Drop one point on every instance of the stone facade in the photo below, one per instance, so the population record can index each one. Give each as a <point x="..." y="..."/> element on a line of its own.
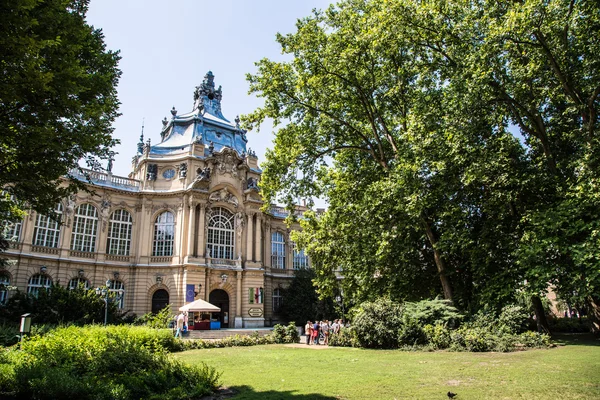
<point x="186" y="223"/>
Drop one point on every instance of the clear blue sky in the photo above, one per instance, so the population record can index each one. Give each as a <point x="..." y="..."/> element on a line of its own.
<point x="168" y="46"/>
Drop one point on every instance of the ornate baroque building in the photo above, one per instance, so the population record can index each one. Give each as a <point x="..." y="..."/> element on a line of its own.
<point x="185" y="225"/>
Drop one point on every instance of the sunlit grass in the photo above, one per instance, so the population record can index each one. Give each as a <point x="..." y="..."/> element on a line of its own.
<point x="279" y="372"/>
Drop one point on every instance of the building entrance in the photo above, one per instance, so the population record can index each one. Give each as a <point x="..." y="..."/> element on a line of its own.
<point x="160" y="299"/>
<point x="220" y="298"/>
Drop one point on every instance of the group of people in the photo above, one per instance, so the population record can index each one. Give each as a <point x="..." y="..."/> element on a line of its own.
<point x="315" y="330"/>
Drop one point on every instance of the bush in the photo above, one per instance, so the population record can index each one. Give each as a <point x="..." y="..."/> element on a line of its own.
<point x="433" y="312"/>
<point x="291" y="333"/>
<point x="102" y="363"/>
<point x="437" y="336"/>
<point x="513" y="319"/>
<point x="377" y="323"/>
<point x="346" y="337"/>
<point x="160" y="320"/>
<point x="9" y="334"/>
<point x="411" y="333"/>
<point x="570" y="325"/>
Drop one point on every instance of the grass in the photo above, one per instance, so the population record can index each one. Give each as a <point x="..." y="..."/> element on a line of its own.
<point x="281" y="372"/>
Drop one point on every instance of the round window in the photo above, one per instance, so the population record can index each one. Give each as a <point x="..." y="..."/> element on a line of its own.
<point x="169" y="174"/>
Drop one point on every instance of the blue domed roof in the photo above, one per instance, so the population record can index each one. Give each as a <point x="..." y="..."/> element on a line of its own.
<point x="204" y="124"/>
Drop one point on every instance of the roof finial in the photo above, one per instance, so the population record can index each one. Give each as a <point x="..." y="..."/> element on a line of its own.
<point x="140" y="146"/>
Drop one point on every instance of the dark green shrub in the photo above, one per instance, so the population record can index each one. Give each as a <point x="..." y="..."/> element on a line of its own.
<point x="534" y="340"/>
<point x="377" y="323"/>
<point x="160" y="320"/>
<point x="437" y="336"/>
<point x="346" y="337"/>
<point x="411" y="333"/>
<point x="9" y="334"/>
<point x="291" y="333"/>
<point x="433" y="312"/>
<point x="102" y="363"/>
<point x="513" y="319"/>
<point x="279" y="333"/>
<point x="570" y="325"/>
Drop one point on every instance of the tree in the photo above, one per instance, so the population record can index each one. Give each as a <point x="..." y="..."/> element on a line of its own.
<point x="301" y="302"/>
<point x="398" y="112"/>
<point x="58" y="100"/>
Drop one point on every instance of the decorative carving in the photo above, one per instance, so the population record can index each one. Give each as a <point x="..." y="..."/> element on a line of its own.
<point x="173" y="112"/>
<point x="229" y="162"/>
<point x="111" y="160"/>
<point x="224" y="196"/>
<point x="252" y="183"/>
<point x="211" y="148"/>
<point x="147" y="147"/>
<point x="203" y="174"/>
<point x="70" y="209"/>
<point x="182" y="168"/>
<point x="105" y="212"/>
<point x="165" y="122"/>
<point x="152" y="172"/>
<point x="206" y="97"/>
<point x="251" y="152"/>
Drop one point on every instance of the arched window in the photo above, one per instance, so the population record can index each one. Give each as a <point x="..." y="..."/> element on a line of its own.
<point x="300" y="259"/>
<point x="277" y="250"/>
<point x="79" y="281"/>
<point x="119" y="233"/>
<point x="277" y="300"/>
<point x="117" y="290"/>
<point x="4" y="284"/>
<point x="85" y="224"/>
<point x="37" y="282"/>
<point x="11" y="230"/>
<point x="47" y="231"/>
<point x="220" y="240"/>
<point x="164" y="235"/>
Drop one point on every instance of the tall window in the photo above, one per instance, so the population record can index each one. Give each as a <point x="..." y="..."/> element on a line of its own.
<point x="47" y="231"/>
<point x="164" y="235"/>
<point x="220" y="234"/>
<point x="117" y="289"/>
<point x="85" y="224"/>
<point x="4" y="284"/>
<point x="79" y="281"/>
<point x="277" y="250"/>
<point x="300" y="259"/>
<point x="37" y="282"/>
<point x="277" y="300"/>
<point x="119" y="233"/>
<point x="11" y="230"/>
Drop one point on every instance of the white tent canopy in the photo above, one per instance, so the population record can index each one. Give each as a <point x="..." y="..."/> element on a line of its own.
<point x="200" y="305"/>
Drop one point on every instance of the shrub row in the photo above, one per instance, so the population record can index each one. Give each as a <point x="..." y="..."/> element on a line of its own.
<point x="96" y="362"/>
<point x="434" y="324"/>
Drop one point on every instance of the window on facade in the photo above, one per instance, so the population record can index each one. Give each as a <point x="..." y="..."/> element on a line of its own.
<point x="47" y="231"/>
<point x="77" y="282"/>
<point x="11" y="230"/>
<point x="277" y="300"/>
<point x="85" y="224"/>
<point x="4" y="284"/>
<point x="117" y="292"/>
<point x="164" y="235"/>
<point x="300" y="259"/>
<point x="119" y="233"/>
<point x="37" y="282"/>
<point x="220" y="240"/>
<point x="277" y="250"/>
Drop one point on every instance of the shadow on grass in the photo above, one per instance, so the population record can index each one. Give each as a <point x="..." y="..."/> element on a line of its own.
<point x="576" y="339"/>
<point x="247" y="392"/>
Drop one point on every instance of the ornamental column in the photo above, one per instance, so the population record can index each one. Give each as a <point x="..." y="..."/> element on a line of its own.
<point x="238" y="301"/>
<point x="201" y="228"/>
<point x="191" y="228"/>
<point x="249" y="231"/>
<point x="258" y="240"/>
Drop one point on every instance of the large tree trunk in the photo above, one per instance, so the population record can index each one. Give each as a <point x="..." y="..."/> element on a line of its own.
<point x="540" y="315"/>
<point x="593" y="312"/>
<point x="439" y="260"/>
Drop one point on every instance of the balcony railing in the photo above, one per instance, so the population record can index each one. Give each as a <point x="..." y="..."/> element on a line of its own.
<point x="45" y="250"/>
<point x="105" y="179"/>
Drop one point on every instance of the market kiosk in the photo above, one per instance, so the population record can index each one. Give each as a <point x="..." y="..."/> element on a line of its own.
<point x="200" y="315"/>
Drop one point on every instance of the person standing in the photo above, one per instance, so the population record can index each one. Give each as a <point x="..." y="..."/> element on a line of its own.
<point x="308" y="332"/>
<point x="325" y="330"/>
<point x="315" y="332"/>
<point x="180" y="323"/>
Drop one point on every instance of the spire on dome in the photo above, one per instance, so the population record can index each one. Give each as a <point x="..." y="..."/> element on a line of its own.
<point x="206" y="98"/>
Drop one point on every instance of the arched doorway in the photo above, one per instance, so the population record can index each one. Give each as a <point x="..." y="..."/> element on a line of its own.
<point x="160" y="299"/>
<point x="220" y="298"/>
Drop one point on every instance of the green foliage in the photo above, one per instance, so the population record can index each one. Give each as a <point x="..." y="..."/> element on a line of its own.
<point x="428" y="191"/>
<point x="160" y="320"/>
<point x="102" y="363"/>
<point x="571" y="325"/>
<point x="433" y="312"/>
<point x="302" y="302"/>
<point x="438" y="336"/>
<point x="346" y="337"/>
<point x="9" y="334"/>
<point x="512" y="319"/>
<point x="58" y="99"/>
<point x="377" y="323"/>
<point x="60" y="305"/>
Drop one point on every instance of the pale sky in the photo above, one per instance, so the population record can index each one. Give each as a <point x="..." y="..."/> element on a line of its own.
<point x="168" y="46"/>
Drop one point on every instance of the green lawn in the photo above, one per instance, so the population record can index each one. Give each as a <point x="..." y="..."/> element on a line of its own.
<point x="282" y="372"/>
